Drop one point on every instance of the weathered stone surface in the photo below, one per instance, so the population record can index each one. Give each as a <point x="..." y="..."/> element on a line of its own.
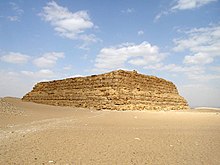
<point x="117" y="90"/>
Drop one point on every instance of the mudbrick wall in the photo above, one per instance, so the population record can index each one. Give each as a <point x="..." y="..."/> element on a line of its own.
<point x="117" y="90"/>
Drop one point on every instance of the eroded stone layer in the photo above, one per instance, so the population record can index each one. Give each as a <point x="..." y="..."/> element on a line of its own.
<point x="117" y="90"/>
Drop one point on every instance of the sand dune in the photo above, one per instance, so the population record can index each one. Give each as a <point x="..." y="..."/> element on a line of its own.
<point x="42" y="134"/>
<point x="207" y="109"/>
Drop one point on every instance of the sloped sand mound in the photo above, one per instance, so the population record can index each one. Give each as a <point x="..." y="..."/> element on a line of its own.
<point x="206" y="109"/>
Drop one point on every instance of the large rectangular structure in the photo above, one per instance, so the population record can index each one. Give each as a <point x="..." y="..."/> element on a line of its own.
<point x="116" y="90"/>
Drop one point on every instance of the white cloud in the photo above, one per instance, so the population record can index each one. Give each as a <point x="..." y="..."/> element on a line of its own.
<point x="12" y="84"/>
<point x="13" y="18"/>
<point x="195" y="72"/>
<point x="204" y="77"/>
<point x="137" y="61"/>
<point x="48" y="60"/>
<point x="140" y="32"/>
<point x="128" y="11"/>
<point x="16" y="11"/>
<point x="182" y="5"/>
<point x="15" y="58"/>
<point x="202" y="43"/>
<point x="16" y="8"/>
<point x="198" y="58"/>
<point x="17" y="84"/>
<point x="189" y="70"/>
<point x="116" y="57"/>
<point x="67" y="67"/>
<point x="190" y="4"/>
<point x="41" y="74"/>
<point x="68" y="24"/>
<point x="201" y="94"/>
<point x="215" y="68"/>
<point x="159" y="15"/>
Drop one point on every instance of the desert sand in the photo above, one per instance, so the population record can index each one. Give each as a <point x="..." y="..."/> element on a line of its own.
<point x="32" y="133"/>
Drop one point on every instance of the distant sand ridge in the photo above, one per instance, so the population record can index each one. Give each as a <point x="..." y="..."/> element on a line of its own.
<point x="116" y="90"/>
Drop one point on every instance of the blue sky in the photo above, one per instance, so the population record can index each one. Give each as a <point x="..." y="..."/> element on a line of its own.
<point x="178" y="40"/>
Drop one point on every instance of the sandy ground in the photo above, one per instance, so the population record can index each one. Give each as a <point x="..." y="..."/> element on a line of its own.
<point x="41" y="134"/>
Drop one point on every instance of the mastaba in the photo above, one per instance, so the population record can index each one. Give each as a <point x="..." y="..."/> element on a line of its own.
<point x="116" y="90"/>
